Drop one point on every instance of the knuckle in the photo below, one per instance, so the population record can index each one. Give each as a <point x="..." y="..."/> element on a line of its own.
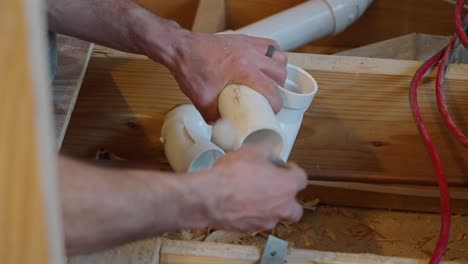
<point x="299" y="213"/>
<point x="282" y="58"/>
<point x="284" y="213"/>
<point x="240" y="61"/>
<point x="273" y="43"/>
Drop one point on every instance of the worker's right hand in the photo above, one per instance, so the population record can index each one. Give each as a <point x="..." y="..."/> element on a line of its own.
<point x="245" y="191"/>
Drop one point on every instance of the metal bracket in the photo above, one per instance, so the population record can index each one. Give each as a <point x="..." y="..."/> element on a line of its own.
<point x="275" y="251"/>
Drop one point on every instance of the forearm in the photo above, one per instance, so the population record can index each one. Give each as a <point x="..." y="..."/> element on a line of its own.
<point x="105" y="207"/>
<point x="119" y="24"/>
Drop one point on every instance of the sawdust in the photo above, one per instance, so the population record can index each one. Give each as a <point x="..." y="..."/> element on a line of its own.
<point x="338" y="229"/>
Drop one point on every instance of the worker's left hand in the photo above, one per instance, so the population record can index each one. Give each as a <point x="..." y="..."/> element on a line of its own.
<point x="203" y="64"/>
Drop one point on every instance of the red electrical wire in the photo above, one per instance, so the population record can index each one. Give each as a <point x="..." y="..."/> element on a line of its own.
<point x="441" y="74"/>
<point x="443" y="56"/>
<point x="442" y="179"/>
<point x="458" y="22"/>
<point x="443" y="110"/>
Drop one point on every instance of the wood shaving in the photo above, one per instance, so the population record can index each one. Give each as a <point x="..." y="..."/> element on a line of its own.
<point x="427" y="252"/>
<point x="307" y="241"/>
<point x="309" y="205"/>
<point x="104" y="154"/>
<point x="422" y="242"/>
<point x="460" y="237"/>
<point x="360" y="230"/>
<point x="348" y="213"/>
<point x="330" y="234"/>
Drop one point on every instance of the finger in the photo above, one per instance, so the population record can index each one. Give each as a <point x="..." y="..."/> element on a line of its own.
<point x="263" y="84"/>
<point x="272" y="69"/>
<point x="295" y="212"/>
<point x="261" y="150"/>
<point x="278" y="56"/>
<point x="208" y="109"/>
<point x="299" y="174"/>
<point x="269" y="225"/>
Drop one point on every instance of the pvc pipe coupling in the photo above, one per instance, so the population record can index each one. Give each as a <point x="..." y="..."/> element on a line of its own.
<point x="191" y="144"/>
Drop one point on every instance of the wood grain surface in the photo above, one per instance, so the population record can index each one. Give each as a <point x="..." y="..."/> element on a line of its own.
<point x="210" y="17"/>
<point x="358" y="128"/>
<point x="26" y="221"/>
<point x="72" y="59"/>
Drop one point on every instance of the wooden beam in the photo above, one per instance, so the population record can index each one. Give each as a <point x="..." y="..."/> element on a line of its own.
<point x="210" y="16"/>
<point x="190" y="252"/>
<point x="358" y="129"/>
<point x="378" y="196"/>
<point x="72" y="59"/>
<point x="30" y="230"/>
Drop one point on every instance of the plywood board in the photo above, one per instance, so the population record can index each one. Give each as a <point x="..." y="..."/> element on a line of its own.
<point x="72" y="59"/>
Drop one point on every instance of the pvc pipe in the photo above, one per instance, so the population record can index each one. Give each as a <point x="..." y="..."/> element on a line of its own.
<point x="307" y="22"/>
<point x="187" y="140"/>
<point x="246" y="117"/>
<point x="297" y="94"/>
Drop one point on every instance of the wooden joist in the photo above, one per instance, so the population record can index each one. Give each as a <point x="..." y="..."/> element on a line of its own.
<point x="358" y="129"/>
<point x="190" y="252"/>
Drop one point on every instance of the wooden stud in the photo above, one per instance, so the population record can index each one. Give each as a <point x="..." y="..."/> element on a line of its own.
<point x="210" y="17"/>
<point x="30" y="228"/>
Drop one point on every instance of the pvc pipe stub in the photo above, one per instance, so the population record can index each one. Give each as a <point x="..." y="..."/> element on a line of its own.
<point x="187" y="140"/>
<point x="246" y="117"/>
<point x="206" y="155"/>
<point x="272" y="136"/>
<point x="299" y="89"/>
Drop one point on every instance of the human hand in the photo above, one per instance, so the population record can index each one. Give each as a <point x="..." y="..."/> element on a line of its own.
<point x="245" y="191"/>
<point x="204" y="64"/>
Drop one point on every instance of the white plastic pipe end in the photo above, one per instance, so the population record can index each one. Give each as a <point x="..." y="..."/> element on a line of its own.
<point x="246" y="117"/>
<point x="187" y="140"/>
<point x="297" y="94"/>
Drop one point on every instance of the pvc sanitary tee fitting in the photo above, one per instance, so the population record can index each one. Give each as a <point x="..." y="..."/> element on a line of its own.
<point x="191" y="144"/>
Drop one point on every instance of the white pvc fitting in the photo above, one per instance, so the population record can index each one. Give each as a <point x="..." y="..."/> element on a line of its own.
<point x="307" y="22"/>
<point x="187" y="140"/>
<point x="246" y="117"/>
<point x="298" y="92"/>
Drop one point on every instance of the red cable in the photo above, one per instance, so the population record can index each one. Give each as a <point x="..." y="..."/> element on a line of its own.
<point x="458" y="22"/>
<point x="441" y="73"/>
<point x="443" y="56"/>
<point x="441" y="97"/>
<point x="442" y="179"/>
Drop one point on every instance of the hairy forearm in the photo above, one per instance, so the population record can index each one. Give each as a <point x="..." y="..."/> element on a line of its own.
<point x="104" y="207"/>
<point x="119" y="24"/>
